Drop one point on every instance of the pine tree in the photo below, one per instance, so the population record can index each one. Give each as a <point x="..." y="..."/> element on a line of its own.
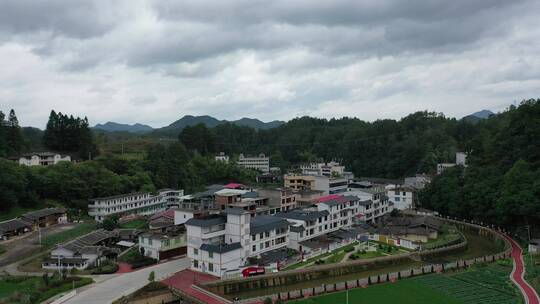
<point x="14" y="137"/>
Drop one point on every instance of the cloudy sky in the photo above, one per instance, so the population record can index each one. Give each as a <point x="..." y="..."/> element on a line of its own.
<point x="155" y="61"/>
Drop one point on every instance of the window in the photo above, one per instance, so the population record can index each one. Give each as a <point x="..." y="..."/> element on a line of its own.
<point x="396" y="198"/>
<point x="195" y="263"/>
<point x="320" y="228"/>
<point x="267" y="244"/>
<point x="195" y="251"/>
<point x="211" y="255"/>
<point x="253" y="248"/>
<point x="211" y="267"/>
<point x="260" y="235"/>
<point x="166" y="243"/>
<point x="267" y="234"/>
<point x="261" y="246"/>
<point x="149" y="241"/>
<point x="253" y="237"/>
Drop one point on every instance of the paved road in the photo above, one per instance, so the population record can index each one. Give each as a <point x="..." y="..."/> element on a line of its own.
<point x="119" y="285"/>
<point x="518" y="273"/>
<point x="28" y="245"/>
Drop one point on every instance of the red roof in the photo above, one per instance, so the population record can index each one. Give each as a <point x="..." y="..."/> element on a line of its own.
<point x="233" y="186"/>
<point x="169" y="213"/>
<point x="184" y="279"/>
<point x="330" y="197"/>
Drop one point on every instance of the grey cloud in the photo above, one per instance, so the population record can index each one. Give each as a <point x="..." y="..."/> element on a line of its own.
<point x="81" y="19"/>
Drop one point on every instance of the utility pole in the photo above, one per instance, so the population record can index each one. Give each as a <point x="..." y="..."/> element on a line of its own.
<point x="39" y="233"/>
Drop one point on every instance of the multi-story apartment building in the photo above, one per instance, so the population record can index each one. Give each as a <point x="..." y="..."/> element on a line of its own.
<point x="373" y="203"/>
<point x="329" y="185"/>
<point x="132" y="204"/>
<point x="329" y="214"/>
<point x="221" y="244"/>
<point x="402" y="197"/>
<point x="326" y="169"/>
<point x="283" y="198"/>
<point x="42" y="159"/>
<point x="261" y="162"/>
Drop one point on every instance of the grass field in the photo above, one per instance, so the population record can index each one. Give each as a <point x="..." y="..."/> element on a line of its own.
<point x="482" y="284"/>
<point x="402" y="292"/>
<point x="67" y="235"/>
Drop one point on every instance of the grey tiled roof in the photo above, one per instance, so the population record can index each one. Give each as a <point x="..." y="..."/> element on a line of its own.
<point x="206" y="222"/>
<point x="220" y="248"/>
<point x="34" y="215"/>
<point x="302" y="215"/>
<point x="264" y="223"/>
<point x="13" y="224"/>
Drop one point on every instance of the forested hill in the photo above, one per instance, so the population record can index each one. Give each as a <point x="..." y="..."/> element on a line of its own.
<point x="502" y="182"/>
<point x="384" y="148"/>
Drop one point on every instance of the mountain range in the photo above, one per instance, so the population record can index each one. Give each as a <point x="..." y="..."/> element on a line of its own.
<point x="477" y="116"/>
<point x="187" y="120"/>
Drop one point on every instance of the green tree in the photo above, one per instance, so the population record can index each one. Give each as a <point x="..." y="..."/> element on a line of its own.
<point x="110" y="222"/>
<point x="152" y="276"/>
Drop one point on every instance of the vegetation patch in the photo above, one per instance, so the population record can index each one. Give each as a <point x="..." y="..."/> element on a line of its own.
<point x="134" y="258"/>
<point x="26" y="290"/>
<point x="134" y="224"/>
<point x="67" y="235"/>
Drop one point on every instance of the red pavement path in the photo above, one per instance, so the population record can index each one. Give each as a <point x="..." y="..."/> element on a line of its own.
<point x="518" y="273"/>
<point x="124" y="268"/>
<point x="184" y="280"/>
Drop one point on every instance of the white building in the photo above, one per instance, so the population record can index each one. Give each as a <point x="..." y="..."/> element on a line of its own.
<point x="261" y="162"/>
<point x="43" y="159"/>
<point x="461" y="159"/>
<point x="329" y="185"/>
<point x="220" y="244"/>
<point x="326" y="169"/>
<point x="161" y="246"/>
<point x="132" y="204"/>
<point x="373" y="203"/>
<point x="534" y="246"/>
<point x="222" y="157"/>
<point x="89" y="250"/>
<point x="401" y="196"/>
<point x="330" y="213"/>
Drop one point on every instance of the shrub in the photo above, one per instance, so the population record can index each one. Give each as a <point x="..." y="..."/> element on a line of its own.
<point x="267" y="301"/>
<point x="106" y="268"/>
<point x="152" y="277"/>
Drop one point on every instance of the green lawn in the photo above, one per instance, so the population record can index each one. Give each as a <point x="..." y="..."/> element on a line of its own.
<point x="134" y="224"/>
<point x="67" y="235"/>
<point x="402" y="292"/>
<point x="333" y="257"/>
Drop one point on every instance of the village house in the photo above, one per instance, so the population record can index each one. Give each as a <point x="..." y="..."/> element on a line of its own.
<point x="90" y="250"/>
<point x="45" y="217"/>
